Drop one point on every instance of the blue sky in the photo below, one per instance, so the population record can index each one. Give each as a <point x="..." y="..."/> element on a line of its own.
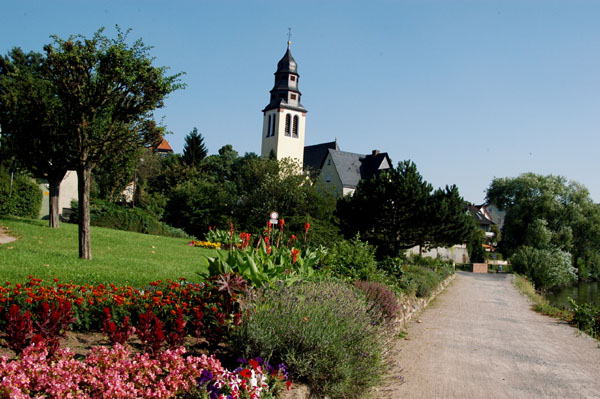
<point x="468" y="90"/>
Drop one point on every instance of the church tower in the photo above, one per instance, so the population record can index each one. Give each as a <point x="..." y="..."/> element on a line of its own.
<point x="284" y="117"/>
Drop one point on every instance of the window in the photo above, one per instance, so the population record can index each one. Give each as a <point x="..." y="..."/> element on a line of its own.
<point x="288" y="120"/>
<point x="328" y="178"/>
<point x="295" y="127"/>
<point x="269" y="126"/>
<point x="273" y="126"/>
<point x="329" y="161"/>
<point x="293" y="96"/>
<point x="292" y="78"/>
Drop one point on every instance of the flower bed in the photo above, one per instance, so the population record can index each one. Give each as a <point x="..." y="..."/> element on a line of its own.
<point x="118" y="373"/>
<point x="163" y="313"/>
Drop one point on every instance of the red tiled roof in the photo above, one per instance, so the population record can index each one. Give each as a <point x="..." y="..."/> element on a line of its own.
<point x="164" y="146"/>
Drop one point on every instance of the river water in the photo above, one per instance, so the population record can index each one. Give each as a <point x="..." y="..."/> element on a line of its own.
<point x="582" y="292"/>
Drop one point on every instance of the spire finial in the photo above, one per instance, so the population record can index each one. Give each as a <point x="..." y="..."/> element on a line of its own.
<point x="289" y="35"/>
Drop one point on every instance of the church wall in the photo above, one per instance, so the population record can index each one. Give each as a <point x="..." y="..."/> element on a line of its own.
<point x="269" y="143"/>
<point x="288" y="146"/>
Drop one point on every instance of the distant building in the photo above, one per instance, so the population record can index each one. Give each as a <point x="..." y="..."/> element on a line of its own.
<point x="284" y="134"/>
<point x="163" y="148"/>
<point x="342" y="171"/>
<point x="67" y="193"/>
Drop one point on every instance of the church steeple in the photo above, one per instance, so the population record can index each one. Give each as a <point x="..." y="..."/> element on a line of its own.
<point x="284" y="116"/>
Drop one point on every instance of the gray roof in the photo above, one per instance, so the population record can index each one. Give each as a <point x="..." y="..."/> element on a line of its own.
<point x="347" y="165"/>
<point x="279" y="93"/>
<point x="314" y="155"/>
<point x="287" y="63"/>
<point x="352" y="168"/>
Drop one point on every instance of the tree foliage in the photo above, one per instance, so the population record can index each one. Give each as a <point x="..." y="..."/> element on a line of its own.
<point x="107" y="90"/>
<point x="397" y="209"/>
<point x="34" y="133"/>
<point x="194" y="149"/>
<point x="548" y="213"/>
<point x="244" y="190"/>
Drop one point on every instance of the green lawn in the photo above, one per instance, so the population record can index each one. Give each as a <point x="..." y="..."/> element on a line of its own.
<point x="119" y="257"/>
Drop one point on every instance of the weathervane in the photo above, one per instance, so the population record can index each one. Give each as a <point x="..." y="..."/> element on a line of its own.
<point x="289" y="35"/>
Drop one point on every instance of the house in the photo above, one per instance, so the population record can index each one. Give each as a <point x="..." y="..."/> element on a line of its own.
<point x="284" y="134"/>
<point x="68" y="193"/>
<point x="163" y="148"/>
<point x="342" y="171"/>
<point x="482" y="218"/>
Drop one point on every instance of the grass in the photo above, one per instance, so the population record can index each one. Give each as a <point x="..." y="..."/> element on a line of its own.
<point x="119" y="257"/>
<point x="540" y="304"/>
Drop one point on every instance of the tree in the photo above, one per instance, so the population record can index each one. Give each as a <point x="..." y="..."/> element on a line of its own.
<point x="547" y="213"/>
<point x="194" y="150"/>
<point x="107" y="91"/>
<point x="397" y="210"/>
<point x="30" y="118"/>
<point x="450" y="224"/>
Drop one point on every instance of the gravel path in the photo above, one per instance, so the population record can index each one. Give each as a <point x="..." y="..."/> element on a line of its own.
<point x="480" y="339"/>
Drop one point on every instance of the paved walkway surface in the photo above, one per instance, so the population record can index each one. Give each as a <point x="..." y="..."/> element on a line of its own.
<point x="480" y="339"/>
<point x="4" y="237"/>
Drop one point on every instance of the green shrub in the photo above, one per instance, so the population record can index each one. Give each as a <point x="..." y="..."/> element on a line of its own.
<point x="419" y="281"/>
<point x="586" y="317"/>
<point x="23" y="199"/>
<point x="546" y="268"/>
<point x="321" y="331"/>
<point x="351" y="259"/>
<point x="112" y="216"/>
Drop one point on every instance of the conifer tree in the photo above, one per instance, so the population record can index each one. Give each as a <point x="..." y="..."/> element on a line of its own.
<point x="194" y="149"/>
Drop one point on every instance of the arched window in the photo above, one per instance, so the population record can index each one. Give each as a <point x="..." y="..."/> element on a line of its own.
<point x="295" y="129"/>
<point x="273" y="125"/>
<point x="269" y="126"/>
<point x="288" y="121"/>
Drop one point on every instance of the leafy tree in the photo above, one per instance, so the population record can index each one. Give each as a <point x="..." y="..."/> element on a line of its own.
<point x="547" y="213"/>
<point x="30" y="118"/>
<point x="194" y="150"/>
<point x="107" y="91"/>
<point x="196" y="204"/>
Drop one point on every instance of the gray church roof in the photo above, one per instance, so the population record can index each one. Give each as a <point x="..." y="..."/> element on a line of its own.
<point x="287" y="63"/>
<point x="347" y="165"/>
<point x="314" y="155"/>
<point x="352" y="168"/>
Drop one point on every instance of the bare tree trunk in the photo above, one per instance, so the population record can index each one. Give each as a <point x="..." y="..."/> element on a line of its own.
<point x="84" y="174"/>
<point x="53" y="200"/>
<point x="54" y="181"/>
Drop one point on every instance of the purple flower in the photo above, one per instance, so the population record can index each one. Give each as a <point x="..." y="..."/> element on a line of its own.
<point x="205" y="377"/>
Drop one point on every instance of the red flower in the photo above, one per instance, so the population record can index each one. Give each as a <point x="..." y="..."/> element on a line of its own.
<point x="253" y="363"/>
<point x="288" y="385"/>
<point x="295" y="253"/>
<point x="246" y="373"/>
